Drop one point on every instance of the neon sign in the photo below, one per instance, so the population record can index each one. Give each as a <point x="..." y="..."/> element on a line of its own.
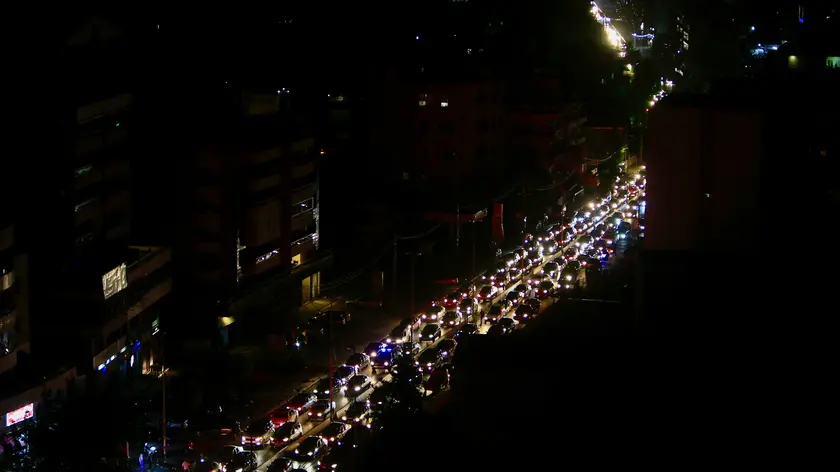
<point x="21" y="414"/>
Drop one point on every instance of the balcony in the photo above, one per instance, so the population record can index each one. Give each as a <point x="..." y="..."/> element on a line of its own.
<point x="117" y="201"/>
<point x="7" y="320"/>
<point x="102" y="108"/>
<point x="110" y="353"/>
<point x="7" y="237"/>
<point x="304" y="192"/>
<point x="302" y="170"/>
<point x="303" y="246"/>
<point x="259" y="184"/>
<point x="87" y="210"/>
<point x="303" y="221"/>
<point x="148" y="264"/>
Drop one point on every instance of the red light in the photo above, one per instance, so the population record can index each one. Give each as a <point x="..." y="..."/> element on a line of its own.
<point x="322" y="152"/>
<point x="646" y="110"/>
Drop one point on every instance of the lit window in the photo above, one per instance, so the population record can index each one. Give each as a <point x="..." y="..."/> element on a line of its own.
<point x="422" y="103"/>
<point x="444" y="104"/>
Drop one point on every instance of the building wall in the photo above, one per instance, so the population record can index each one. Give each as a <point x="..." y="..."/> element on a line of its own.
<point x="433" y="128"/>
<point x="14" y="299"/>
<point x="703" y="167"/>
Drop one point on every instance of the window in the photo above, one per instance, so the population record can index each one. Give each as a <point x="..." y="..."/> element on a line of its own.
<point x="444" y="103"/>
<point x="303" y="206"/>
<point x="421" y="103"/>
<point x="423" y="99"/>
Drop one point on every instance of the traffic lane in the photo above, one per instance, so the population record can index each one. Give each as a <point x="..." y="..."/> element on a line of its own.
<point x="356" y="340"/>
<point x="310" y="428"/>
<point x="365" y="326"/>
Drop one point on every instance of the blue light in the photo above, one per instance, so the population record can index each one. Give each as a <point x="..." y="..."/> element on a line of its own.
<point x="802" y="20"/>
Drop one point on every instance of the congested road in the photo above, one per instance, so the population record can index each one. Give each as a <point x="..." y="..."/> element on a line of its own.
<point x="311" y="428"/>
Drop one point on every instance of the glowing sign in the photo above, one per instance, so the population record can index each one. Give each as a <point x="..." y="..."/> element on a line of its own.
<point x="832" y="62"/>
<point x="21" y="414"/>
<point x="114" y="281"/>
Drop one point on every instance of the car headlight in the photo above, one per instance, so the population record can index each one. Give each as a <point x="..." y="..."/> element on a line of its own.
<point x="568" y="277"/>
<point x="285" y="439"/>
<point x="320" y="414"/>
<point x="357" y="389"/>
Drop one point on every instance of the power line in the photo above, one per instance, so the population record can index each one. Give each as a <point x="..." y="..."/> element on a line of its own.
<point x="349" y="277"/>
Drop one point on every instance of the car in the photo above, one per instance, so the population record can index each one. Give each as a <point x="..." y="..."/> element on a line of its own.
<point x="357" y="385"/>
<point x="430" y="358"/>
<point x="545" y="289"/>
<point x="257" y="434"/>
<point x="495" y="313"/>
<point x="433" y="314"/>
<point x="468" y="306"/>
<point x="513" y="297"/>
<point x="466" y="330"/>
<point x="551" y="268"/>
<point x="322" y="389"/>
<point x="451" y="300"/>
<point x="334" y="431"/>
<point x="358" y="361"/>
<point x="497" y="330"/>
<point x="447" y="347"/>
<point x="337" y="317"/>
<point x="487" y="292"/>
<point x="571" y="276"/>
<point x="301" y="403"/>
<point x="344" y="373"/>
<point x="534" y="303"/>
<point x="287" y="434"/>
<point x="522" y="288"/>
<point x="206" y="466"/>
<point x="523" y="312"/>
<point x="244" y="461"/>
<point x="409" y="349"/>
<point x="311" y="449"/>
<point x="320" y="410"/>
<point x="357" y="437"/>
<point x="386" y="357"/>
<point x="452" y="318"/>
<point x="430" y="333"/>
<point x="372" y="349"/>
<point x="281" y="464"/>
<point x="358" y="412"/>
<point x="333" y="460"/>
<point x="570" y="254"/>
<point x="226" y="454"/>
<point x="281" y="416"/>
<point x="508" y="324"/>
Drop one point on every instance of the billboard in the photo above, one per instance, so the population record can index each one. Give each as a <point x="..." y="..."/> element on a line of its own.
<point x="114" y="281"/>
<point x="21" y="414"/>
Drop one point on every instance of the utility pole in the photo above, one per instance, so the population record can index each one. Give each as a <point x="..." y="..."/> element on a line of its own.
<point x="457" y="201"/>
<point x="473" y="249"/>
<point x="331" y="354"/>
<point x="394" y="273"/>
<point x="163" y="405"/>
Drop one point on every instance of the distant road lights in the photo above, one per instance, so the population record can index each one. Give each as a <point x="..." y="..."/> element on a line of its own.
<point x="752" y="28"/>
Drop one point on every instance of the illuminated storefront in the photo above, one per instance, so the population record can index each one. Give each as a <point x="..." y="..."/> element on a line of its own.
<point x="19" y="415"/>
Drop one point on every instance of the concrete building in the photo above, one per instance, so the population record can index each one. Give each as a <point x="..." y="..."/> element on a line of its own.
<point x="95" y="295"/>
<point x="442" y="130"/>
<point x="249" y="208"/>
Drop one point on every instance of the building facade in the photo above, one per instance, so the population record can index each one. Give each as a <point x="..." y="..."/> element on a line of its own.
<point x="250" y="216"/>
<point x="93" y="296"/>
<point x="442" y="131"/>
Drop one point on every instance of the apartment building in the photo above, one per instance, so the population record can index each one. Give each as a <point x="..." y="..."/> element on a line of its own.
<point x="14" y="297"/>
<point x="250" y="214"/>
<point x="95" y="295"/>
<point x="442" y="129"/>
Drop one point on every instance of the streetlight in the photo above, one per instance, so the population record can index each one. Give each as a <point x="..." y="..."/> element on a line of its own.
<point x="413" y="255"/>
